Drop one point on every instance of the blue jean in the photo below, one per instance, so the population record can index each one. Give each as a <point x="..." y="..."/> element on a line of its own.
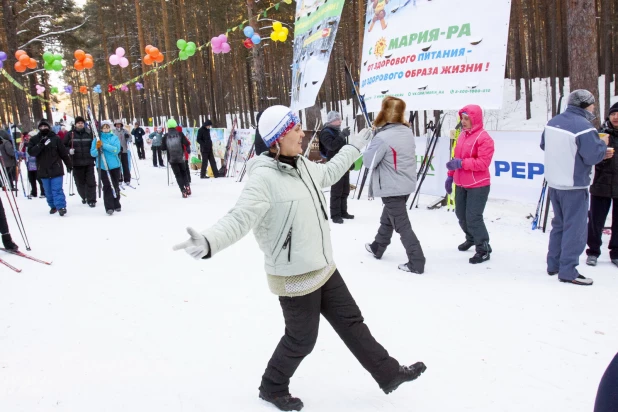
<point x="567" y="240"/>
<point x="54" y="193"/>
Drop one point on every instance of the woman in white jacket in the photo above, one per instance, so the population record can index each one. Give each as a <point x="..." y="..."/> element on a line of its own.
<point x="283" y="203"/>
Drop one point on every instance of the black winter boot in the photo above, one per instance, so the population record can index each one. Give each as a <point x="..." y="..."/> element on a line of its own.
<point x="52" y="210"/>
<point x="284" y="403"/>
<point x="482" y="254"/>
<point x="337" y="220"/>
<point x="62" y="211"/>
<point x="346" y="215"/>
<point x="405" y="374"/>
<point x="8" y="242"/>
<point x="465" y="245"/>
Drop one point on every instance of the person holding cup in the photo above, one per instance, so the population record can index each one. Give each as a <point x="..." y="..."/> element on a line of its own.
<point x="604" y="188"/>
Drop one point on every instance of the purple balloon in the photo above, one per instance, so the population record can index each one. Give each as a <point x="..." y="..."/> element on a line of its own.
<point x="215" y="42"/>
<point x="225" y="48"/>
<point x="3" y="56"/>
<point x="114" y="60"/>
<point x="124" y="62"/>
<point x="120" y="52"/>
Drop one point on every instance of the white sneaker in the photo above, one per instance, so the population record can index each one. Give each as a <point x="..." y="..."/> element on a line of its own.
<point x="592" y="260"/>
<point x="579" y="280"/>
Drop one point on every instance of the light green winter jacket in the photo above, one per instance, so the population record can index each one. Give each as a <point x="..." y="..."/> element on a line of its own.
<point x="287" y="211"/>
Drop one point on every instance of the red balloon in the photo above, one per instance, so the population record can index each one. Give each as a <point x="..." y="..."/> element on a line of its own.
<point x="248" y="43"/>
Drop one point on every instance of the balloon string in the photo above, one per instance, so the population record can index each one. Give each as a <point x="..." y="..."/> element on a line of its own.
<point x="21" y="87"/>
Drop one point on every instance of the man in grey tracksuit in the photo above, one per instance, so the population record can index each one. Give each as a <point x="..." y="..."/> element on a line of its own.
<point x="572" y="146"/>
<point x="391" y="157"/>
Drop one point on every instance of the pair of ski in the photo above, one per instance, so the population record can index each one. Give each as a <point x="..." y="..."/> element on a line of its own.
<point x="21" y="254"/>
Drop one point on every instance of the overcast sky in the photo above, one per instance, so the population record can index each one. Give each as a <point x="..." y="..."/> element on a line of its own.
<point x="80" y="3"/>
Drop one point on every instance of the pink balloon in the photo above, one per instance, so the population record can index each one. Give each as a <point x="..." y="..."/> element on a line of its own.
<point x="215" y="42"/>
<point x="114" y="60"/>
<point x="124" y="62"/>
<point x="216" y="49"/>
<point x="120" y="52"/>
<point x="225" y="48"/>
<point x="223" y="38"/>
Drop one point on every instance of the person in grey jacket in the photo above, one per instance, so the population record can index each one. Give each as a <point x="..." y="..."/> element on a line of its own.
<point x="572" y="146"/>
<point x="124" y="137"/>
<point x="8" y="158"/>
<point x="391" y="159"/>
<point x="284" y="205"/>
<point x="156" y="138"/>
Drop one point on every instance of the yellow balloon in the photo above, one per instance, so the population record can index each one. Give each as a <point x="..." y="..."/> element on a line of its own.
<point x="285" y="30"/>
<point x="273" y="36"/>
<point x="281" y="36"/>
<point x="277" y="26"/>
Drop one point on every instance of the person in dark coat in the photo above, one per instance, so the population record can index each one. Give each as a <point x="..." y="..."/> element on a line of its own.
<point x="607" y="394"/>
<point x="7" y="151"/>
<point x="175" y="145"/>
<point x="602" y="192"/>
<point x="333" y="139"/>
<point x="205" y="142"/>
<point x="78" y="141"/>
<point x="49" y="151"/>
<point x="138" y="133"/>
<point x="7" y="242"/>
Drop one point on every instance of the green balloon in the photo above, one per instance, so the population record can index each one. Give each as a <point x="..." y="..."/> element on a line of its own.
<point x="190" y="49"/>
<point x="183" y="55"/>
<point x="57" y="56"/>
<point x="47" y="66"/>
<point x="57" y="65"/>
<point x="192" y="45"/>
<point x="48" y="57"/>
<point x="181" y="44"/>
<point x="54" y="90"/>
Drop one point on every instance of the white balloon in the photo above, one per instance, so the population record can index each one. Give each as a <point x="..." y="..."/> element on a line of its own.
<point x="124" y="62"/>
<point x="120" y="52"/>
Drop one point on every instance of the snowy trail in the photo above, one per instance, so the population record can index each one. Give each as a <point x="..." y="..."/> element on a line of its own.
<point x="119" y="322"/>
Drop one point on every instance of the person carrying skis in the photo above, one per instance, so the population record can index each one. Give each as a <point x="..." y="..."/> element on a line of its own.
<point x="333" y="139"/>
<point x="391" y="157"/>
<point x="284" y="206"/>
<point x="156" y="138"/>
<point x="108" y="147"/>
<point x="469" y="169"/>
<point x="9" y="161"/>
<point x="50" y="152"/>
<point x="124" y="138"/>
<point x="572" y="146"/>
<point x="205" y="141"/>
<point x="31" y="166"/>
<point x="78" y="141"/>
<point x="603" y="194"/>
<point x="138" y="133"/>
<point x="175" y="145"/>
<point x="187" y="153"/>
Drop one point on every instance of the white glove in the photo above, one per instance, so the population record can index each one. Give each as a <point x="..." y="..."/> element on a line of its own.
<point x="361" y="139"/>
<point x="196" y="246"/>
<point x="71" y="151"/>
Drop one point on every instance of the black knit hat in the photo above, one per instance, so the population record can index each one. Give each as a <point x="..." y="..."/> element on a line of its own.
<point x="207" y="123"/>
<point x="613" y="109"/>
<point x="44" y="122"/>
<point x="80" y="119"/>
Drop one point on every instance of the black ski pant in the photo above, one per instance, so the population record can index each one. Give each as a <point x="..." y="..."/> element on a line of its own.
<point x="395" y="219"/>
<point x="157" y="154"/>
<point x="141" y="154"/>
<point x="302" y="320"/>
<point x="607" y="395"/>
<point x="4" y="226"/>
<point x="180" y="172"/>
<point x="10" y="172"/>
<point x="111" y="202"/>
<point x="339" y="193"/>
<point x="469" y="208"/>
<point x="188" y="169"/>
<point x="126" y="172"/>
<point x="85" y="182"/>
<point x="32" y="178"/>
<point x="209" y="157"/>
<point x="599" y="209"/>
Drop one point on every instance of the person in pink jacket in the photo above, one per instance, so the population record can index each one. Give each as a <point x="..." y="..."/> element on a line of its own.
<point x="470" y="171"/>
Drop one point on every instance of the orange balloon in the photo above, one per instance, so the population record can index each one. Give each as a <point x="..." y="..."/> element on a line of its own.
<point x="153" y="51"/>
<point x="79" y="54"/>
<point x="88" y="63"/>
<point x="83" y="89"/>
<point x="18" y="53"/>
<point x="20" y="68"/>
<point x="78" y="65"/>
<point x="148" y="49"/>
<point x="89" y="56"/>
<point x="24" y="59"/>
<point x="32" y="64"/>
<point x="148" y="60"/>
<point x="159" y="58"/>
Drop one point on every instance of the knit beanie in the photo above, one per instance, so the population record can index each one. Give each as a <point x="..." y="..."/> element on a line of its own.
<point x="171" y="124"/>
<point x="276" y="122"/>
<point x="44" y="122"/>
<point x="332" y="116"/>
<point x="581" y="98"/>
<point x="614" y="108"/>
<point x="79" y="119"/>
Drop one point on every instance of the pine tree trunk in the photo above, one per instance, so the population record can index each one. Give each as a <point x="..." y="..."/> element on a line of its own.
<point x="258" y="63"/>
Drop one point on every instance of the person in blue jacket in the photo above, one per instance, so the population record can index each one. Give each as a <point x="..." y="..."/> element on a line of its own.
<point x="572" y="146"/>
<point x="108" y="146"/>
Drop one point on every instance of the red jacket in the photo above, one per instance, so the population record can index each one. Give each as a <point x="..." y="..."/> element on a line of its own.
<point x="475" y="148"/>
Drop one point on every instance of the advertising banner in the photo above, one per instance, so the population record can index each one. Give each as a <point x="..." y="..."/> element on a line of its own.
<point x="314" y="35"/>
<point x="219" y="141"/>
<point x="435" y="54"/>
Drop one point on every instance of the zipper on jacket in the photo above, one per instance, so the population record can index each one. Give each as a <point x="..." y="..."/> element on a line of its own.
<point x="288" y="242"/>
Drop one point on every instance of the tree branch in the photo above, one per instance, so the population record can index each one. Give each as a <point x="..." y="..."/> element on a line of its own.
<point x="52" y="33"/>
<point x="43" y="16"/>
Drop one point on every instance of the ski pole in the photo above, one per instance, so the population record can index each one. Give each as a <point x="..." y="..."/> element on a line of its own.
<point x="134" y="162"/>
<point x="101" y="154"/>
<point x="13" y="204"/>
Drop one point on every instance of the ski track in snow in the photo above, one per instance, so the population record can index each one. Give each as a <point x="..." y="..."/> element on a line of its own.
<point x="120" y="322"/>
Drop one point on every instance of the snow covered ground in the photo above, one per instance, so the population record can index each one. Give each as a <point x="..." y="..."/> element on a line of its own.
<point x="119" y="322"/>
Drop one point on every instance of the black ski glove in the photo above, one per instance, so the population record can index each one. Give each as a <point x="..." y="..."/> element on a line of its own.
<point x="345" y="132"/>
